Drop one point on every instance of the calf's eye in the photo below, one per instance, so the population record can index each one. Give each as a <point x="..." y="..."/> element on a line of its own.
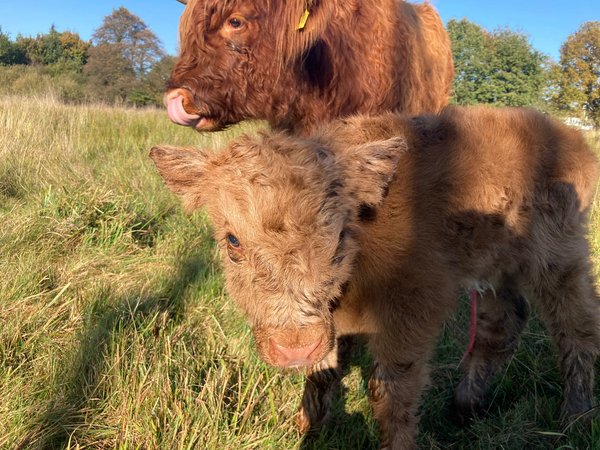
<point x="234" y="248"/>
<point x="232" y="240"/>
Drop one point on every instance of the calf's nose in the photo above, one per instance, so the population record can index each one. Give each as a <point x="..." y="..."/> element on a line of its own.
<point x="294" y="356"/>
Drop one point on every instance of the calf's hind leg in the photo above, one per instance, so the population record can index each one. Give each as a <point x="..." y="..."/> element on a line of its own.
<point x="501" y="318"/>
<point x="569" y="306"/>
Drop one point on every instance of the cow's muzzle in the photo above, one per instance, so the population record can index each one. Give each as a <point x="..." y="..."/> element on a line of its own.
<point x="181" y="110"/>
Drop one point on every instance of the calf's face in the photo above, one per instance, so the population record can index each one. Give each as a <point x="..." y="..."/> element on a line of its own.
<point x="284" y="213"/>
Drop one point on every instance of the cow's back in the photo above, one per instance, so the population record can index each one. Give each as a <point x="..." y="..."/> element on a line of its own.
<point x="429" y="84"/>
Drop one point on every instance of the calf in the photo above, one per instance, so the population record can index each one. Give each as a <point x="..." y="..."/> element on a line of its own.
<point x="373" y="225"/>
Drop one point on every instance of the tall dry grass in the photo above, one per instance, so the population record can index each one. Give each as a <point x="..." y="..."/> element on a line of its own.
<point x="115" y="331"/>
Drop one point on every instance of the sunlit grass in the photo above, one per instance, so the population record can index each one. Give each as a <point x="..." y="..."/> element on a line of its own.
<point x="594" y="235"/>
<point x="116" y="332"/>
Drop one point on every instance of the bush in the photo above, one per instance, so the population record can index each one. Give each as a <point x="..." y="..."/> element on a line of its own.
<point x="31" y="81"/>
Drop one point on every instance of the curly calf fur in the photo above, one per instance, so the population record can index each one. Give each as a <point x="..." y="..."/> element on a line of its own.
<point x="493" y="196"/>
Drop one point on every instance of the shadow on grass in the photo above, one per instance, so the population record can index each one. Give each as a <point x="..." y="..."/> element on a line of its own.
<point x="514" y="418"/>
<point x="350" y="431"/>
<point x="106" y="320"/>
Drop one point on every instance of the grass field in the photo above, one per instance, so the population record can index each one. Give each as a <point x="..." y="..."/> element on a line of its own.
<point x="115" y="331"/>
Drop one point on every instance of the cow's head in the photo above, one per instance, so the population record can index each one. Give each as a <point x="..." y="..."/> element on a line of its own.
<point x="285" y="214"/>
<point x="236" y="57"/>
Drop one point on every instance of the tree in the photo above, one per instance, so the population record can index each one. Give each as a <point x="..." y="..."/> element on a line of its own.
<point x="132" y="37"/>
<point x="64" y="49"/>
<point x="158" y="76"/>
<point x="110" y="76"/>
<point x="123" y="58"/>
<point x="499" y="67"/>
<point x="577" y="75"/>
<point x="10" y="52"/>
<point x="469" y="48"/>
<point x="73" y="48"/>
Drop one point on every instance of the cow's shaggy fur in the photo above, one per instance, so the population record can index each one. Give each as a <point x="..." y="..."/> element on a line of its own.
<point x="247" y="59"/>
<point x="373" y="226"/>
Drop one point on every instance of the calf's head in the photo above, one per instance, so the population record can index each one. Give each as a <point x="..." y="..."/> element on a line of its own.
<point x="285" y="217"/>
<point x="235" y="57"/>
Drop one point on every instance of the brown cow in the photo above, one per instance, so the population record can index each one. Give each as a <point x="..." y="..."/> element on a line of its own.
<point x="299" y="63"/>
<point x="495" y="197"/>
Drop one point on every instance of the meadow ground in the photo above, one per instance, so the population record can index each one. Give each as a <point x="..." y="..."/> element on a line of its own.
<point x="115" y="331"/>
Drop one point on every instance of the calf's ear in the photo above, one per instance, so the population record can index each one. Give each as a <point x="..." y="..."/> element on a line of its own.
<point x="183" y="170"/>
<point x="371" y="167"/>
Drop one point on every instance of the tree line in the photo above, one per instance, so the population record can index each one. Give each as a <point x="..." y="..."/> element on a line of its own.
<point x="501" y="67"/>
<point x="124" y="62"/>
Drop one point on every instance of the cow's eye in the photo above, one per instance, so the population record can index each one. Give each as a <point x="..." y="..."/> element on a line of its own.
<point x="235" y="22"/>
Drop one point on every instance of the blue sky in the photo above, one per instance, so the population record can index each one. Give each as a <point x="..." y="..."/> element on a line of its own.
<point x="547" y="23"/>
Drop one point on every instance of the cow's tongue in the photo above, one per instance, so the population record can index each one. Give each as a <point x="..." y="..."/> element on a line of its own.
<point x="179" y="115"/>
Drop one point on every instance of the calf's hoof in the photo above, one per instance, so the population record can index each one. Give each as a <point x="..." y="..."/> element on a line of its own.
<point x="467" y="404"/>
<point x="578" y="410"/>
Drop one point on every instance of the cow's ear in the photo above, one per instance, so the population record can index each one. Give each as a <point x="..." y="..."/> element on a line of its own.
<point x="371" y="167"/>
<point x="305" y="22"/>
<point x="183" y="170"/>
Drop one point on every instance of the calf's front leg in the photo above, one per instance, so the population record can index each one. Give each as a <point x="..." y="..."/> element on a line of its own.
<point x="395" y="389"/>
<point x="322" y="385"/>
<point x="405" y="329"/>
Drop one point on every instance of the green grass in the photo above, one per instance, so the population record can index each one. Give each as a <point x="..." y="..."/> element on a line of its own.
<point x="115" y="331"/>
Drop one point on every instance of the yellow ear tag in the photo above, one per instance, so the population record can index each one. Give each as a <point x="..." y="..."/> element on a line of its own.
<point x="303" y="20"/>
